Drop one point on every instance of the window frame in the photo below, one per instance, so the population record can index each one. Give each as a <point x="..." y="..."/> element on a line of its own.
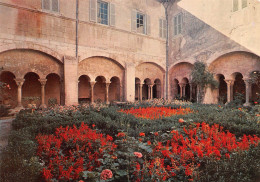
<point x="162" y="28"/>
<point x="50" y="10"/>
<point x="108" y="12"/>
<point x="144" y="22"/>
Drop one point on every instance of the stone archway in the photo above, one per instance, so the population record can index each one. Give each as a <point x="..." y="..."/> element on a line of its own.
<point x="138" y="89"/>
<point x="114" y="89"/>
<point x="31" y="90"/>
<point x="9" y="92"/>
<point x="222" y="89"/>
<point x="100" y="89"/>
<point x="239" y="88"/>
<point x="255" y="92"/>
<point x="150" y="71"/>
<point x="157" y="89"/>
<point x="53" y="89"/>
<point x="84" y="89"/>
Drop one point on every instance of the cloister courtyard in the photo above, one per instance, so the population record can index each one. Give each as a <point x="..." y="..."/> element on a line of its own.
<point x="129" y="91"/>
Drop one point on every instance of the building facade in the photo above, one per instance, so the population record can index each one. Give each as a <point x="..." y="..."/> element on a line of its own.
<point x="110" y="50"/>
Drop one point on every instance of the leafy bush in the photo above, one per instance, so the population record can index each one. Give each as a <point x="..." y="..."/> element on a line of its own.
<point x="4" y="110"/>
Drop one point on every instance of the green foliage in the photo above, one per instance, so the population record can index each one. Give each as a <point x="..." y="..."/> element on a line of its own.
<point x="19" y="162"/>
<point x="202" y="77"/>
<point x="52" y="102"/>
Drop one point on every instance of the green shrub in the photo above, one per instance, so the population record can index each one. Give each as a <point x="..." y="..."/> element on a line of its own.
<point x="4" y="111"/>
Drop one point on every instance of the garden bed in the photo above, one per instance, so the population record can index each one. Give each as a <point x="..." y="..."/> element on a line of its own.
<point x="206" y="143"/>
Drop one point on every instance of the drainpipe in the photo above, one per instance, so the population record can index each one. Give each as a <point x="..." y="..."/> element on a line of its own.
<point x="167" y="51"/>
<point x="77" y="24"/>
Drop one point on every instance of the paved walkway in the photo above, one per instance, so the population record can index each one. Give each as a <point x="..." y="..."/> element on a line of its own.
<point x="5" y="127"/>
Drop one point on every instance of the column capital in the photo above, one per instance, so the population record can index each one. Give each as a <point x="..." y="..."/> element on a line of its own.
<point x="92" y="83"/>
<point x="150" y="85"/>
<point x="182" y="84"/>
<point x="229" y="81"/>
<point x="107" y="84"/>
<point x="19" y="81"/>
<point x="43" y="81"/>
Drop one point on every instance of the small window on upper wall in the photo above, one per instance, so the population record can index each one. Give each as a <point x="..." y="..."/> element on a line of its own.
<point x="50" y="5"/>
<point x="141" y="23"/>
<point x="244" y="4"/>
<point x="235" y="5"/>
<point x="177" y="24"/>
<point x="102" y="12"/>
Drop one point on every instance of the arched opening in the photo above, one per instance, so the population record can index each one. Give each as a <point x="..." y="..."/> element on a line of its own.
<point x="239" y="87"/>
<point x="222" y="89"/>
<point x="31" y="90"/>
<point x="137" y="88"/>
<point x="100" y="89"/>
<point x="9" y="91"/>
<point x="84" y="89"/>
<point x="53" y="90"/>
<point x="114" y="89"/>
<point x="255" y="77"/>
<point x="176" y="89"/>
<point x="186" y="88"/>
<point x="145" y="89"/>
<point x="157" y="89"/>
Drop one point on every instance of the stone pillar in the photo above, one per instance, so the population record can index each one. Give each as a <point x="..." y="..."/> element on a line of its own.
<point x="248" y="90"/>
<point x="129" y="82"/>
<point x="151" y="90"/>
<point x="107" y="92"/>
<point x="141" y="91"/>
<point x="182" y="89"/>
<point x="138" y="92"/>
<point x="92" y="84"/>
<point x="230" y="84"/>
<point x="43" y="83"/>
<point x="191" y="89"/>
<point x="19" y="83"/>
<point x="71" y="80"/>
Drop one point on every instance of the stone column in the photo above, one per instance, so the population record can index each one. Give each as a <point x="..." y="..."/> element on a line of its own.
<point x="138" y="92"/>
<point x="182" y="89"/>
<point x="43" y="83"/>
<point x="191" y="89"/>
<point x="141" y="91"/>
<point x="92" y="84"/>
<point x="19" y="83"/>
<point x="248" y="90"/>
<point x="151" y="91"/>
<point x="230" y="84"/>
<point x="107" y="92"/>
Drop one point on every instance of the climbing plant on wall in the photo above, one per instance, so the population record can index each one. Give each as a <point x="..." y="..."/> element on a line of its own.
<point x="202" y="78"/>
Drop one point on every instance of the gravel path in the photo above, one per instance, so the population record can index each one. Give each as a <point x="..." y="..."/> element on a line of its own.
<point x="5" y="127"/>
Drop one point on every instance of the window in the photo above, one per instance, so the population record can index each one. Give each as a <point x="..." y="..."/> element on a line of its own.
<point x="162" y="28"/>
<point x="140" y="22"/>
<point x="244" y="4"/>
<point x="102" y="15"/>
<point x="235" y="5"/>
<point x="102" y="12"/>
<point x="178" y="24"/>
<point x="50" y="5"/>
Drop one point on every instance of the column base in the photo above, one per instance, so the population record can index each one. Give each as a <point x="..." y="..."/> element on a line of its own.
<point x="246" y="104"/>
<point x="43" y="106"/>
<point x="16" y="110"/>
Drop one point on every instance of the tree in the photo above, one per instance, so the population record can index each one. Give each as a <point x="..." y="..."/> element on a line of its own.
<point x="202" y="78"/>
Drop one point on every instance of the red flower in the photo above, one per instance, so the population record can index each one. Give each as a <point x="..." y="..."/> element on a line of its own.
<point x="142" y="134"/>
<point x="156" y="134"/>
<point x="121" y="134"/>
<point x="106" y="174"/>
<point x="181" y="120"/>
<point x="138" y="154"/>
<point x="149" y="143"/>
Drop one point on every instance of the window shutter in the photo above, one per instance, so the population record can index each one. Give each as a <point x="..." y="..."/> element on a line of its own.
<point x="112" y="14"/>
<point x="164" y="28"/>
<point x="161" y="28"/>
<point x="134" y="26"/>
<point x="55" y="5"/>
<point x="244" y="3"/>
<point x="148" y="25"/>
<point x="93" y="10"/>
<point x="175" y="25"/>
<point x="235" y="5"/>
<point x="179" y="23"/>
<point x="46" y="4"/>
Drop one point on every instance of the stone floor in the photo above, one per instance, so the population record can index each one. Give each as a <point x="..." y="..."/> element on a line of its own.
<point x="5" y="127"/>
